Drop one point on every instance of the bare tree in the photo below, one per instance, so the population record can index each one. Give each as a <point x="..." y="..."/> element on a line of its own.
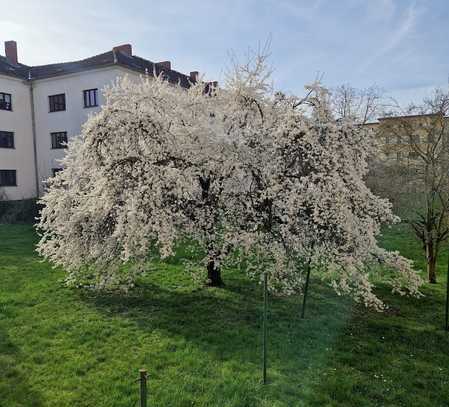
<point x="416" y="170"/>
<point x="360" y="105"/>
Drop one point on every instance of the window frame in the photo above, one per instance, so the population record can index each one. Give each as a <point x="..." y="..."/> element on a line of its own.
<point x="415" y="139"/>
<point x="8" y="105"/>
<point x="54" y="171"/>
<point x="87" y="98"/>
<point x="55" y="143"/>
<point x="57" y="106"/>
<point x="2" y="178"/>
<point x="8" y="133"/>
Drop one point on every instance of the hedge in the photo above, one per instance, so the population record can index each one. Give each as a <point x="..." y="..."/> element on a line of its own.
<point x="24" y="211"/>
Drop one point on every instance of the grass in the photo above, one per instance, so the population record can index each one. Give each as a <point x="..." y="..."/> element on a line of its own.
<point x="202" y="347"/>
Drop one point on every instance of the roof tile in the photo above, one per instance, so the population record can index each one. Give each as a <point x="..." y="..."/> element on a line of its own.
<point x="109" y="58"/>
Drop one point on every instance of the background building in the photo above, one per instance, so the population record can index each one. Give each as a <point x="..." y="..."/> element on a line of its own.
<point x="405" y="138"/>
<point x="41" y="107"/>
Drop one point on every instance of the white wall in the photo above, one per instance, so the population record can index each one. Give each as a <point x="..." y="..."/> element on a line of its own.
<point x="19" y="121"/>
<point x="21" y="158"/>
<point x="73" y="117"/>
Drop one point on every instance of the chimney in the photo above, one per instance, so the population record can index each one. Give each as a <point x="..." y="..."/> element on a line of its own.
<point x="11" y="52"/>
<point x="194" y="75"/>
<point x="126" y="49"/>
<point x="164" y="65"/>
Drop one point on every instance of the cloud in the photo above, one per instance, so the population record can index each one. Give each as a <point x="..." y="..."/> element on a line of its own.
<point x="412" y="94"/>
<point x="303" y="10"/>
<point x="11" y="27"/>
<point x="395" y="38"/>
<point x="382" y="9"/>
<point x="398" y="44"/>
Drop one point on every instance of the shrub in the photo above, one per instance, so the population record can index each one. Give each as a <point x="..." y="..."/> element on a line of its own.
<point x="23" y="211"/>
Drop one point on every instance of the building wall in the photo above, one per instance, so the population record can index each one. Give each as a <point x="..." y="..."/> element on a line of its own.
<point x="73" y="117"/>
<point x="401" y="137"/>
<point x="21" y="158"/>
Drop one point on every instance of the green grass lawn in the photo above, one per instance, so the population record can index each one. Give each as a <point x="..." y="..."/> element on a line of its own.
<point x="202" y="347"/>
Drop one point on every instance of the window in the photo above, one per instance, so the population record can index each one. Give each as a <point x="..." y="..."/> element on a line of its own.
<point x="5" y="101"/>
<point x="90" y="97"/>
<point x="54" y="171"/>
<point x="8" y="178"/>
<point x="57" y="102"/>
<point x="58" y="139"/>
<point x="414" y="139"/>
<point x="398" y="139"/>
<point x="399" y="155"/>
<point x="6" y="139"/>
<point x="413" y="155"/>
<point x="430" y="138"/>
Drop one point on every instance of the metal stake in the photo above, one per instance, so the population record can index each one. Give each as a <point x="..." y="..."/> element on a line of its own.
<point x="265" y="309"/>
<point x="447" y="298"/>
<point x="143" y="388"/>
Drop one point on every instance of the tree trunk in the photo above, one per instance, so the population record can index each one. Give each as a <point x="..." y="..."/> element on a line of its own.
<point x="214" y="275"/>
<point x="431" y="270"/>
<point x="306" y="289"/>
<point x="431" y="263"/>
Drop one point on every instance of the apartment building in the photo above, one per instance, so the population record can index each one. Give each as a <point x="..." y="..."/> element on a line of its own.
<point x="405" y="138"/>
<point x="42" y="107"/>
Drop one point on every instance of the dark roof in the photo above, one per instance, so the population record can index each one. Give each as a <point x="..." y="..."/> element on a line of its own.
<point x="18" y="71"/>
<point x="110" y="58"/>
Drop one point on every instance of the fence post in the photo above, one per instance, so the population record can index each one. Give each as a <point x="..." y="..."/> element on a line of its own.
<point x="265" y="309"/>
<point x="143" y="388"/>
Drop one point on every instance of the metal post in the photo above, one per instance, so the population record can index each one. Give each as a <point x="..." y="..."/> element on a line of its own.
<point x="447" y="297"/>
<point x="265" y="309"/>
<point x="143" y="388"/>
<point x="306" y="288"/>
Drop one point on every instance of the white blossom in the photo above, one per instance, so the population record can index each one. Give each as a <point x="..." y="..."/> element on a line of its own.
<point x="268" y="181"/>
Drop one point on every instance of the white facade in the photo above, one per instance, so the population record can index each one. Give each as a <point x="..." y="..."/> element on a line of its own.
<point x="21" y="157"/>
<point x="30" y="101"/>
<point x="35" y="155"/>
<point x="69" y="120"/>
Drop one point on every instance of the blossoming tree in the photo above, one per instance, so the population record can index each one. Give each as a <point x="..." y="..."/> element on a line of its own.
<point x="307" y="205"/>
<point x="233" y="167"/>
<point x="153" y="166"/>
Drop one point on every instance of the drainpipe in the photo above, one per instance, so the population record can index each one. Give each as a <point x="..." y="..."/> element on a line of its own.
<point x="33" y="129"/>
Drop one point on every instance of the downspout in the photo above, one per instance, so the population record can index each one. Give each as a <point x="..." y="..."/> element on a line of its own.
<point x="33" y="130"/>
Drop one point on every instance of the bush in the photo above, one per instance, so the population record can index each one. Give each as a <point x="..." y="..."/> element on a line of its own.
<point x="24" y="211"/>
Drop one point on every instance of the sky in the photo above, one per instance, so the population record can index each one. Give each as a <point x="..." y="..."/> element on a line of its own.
<point x="400" y="46"/>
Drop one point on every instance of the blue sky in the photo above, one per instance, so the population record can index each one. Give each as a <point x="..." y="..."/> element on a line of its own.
<point x="401" y="46"/>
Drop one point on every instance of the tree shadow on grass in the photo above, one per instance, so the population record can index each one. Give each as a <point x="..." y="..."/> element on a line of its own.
<point x="390" y="358"/>
<point x="15" y="390"/>
<point x="226" y="324"/>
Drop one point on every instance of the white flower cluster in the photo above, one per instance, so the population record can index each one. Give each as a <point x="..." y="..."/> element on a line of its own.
<point x="268" y="181"/>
